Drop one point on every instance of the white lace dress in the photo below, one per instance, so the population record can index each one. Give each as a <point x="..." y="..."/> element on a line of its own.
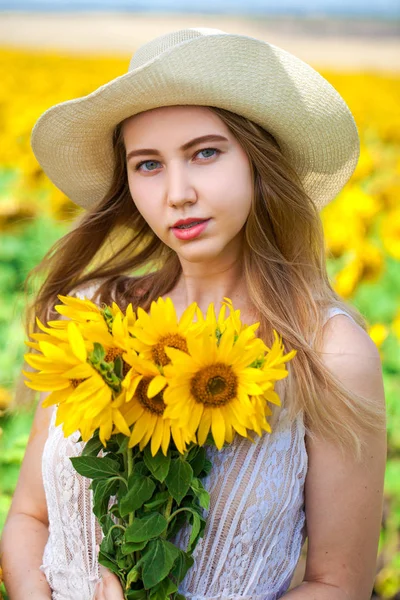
<point x="255" y="524"/>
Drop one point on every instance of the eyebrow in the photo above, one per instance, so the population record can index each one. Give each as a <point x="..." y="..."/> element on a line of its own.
<point x="186" y="146"/>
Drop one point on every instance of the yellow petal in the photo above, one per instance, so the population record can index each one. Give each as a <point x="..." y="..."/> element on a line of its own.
<point x="218" y="427"/>
<point x="54" y="353"/>
<point x="44" y="383"/>
<point x="166" y="437"/>
<point x="156" y="438"/>
<point x="120" y="422"/>
<point x="56" y="397"/>
<point x="187" y="316"/>
<point x="41" y="363"/>
<point x="77" y="342"/>
<point x="204" y="426"/>
<point x="178" y="439"/>
<point x="157" y="384"/>
<point x="105" y="431"/>
<point x="79" y="372"/>
<point x="151" y="423"/>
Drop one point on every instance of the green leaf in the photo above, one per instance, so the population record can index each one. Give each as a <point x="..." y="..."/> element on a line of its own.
<point x="136" y="595"/>
<point x="106" y="523"/>
<point x="158" y="561"/>
<point x="118" y="367"/>
<point x="159" y="499"/>
<point x="95" y="467"/>
<point x="131" y="547"/>
<point x="201" y="493"/>
<point x="182" y="565"/>
<point x="122" y="443"/>
<point x="107" y="544"/>
<point x="101" y="496"/>
<point x="163" y="589"/>
<point x="144" y="529"/>
<point x="92" y="447"/>
<point x="196" y="526"/>
<point x="141" y="468"/>
<point x="179" y="479"/>
<point x="106" y="562"/>
<point x="124" y="562"/>
<point x="198" y="460"/>
<point x="140" y="489"/>
<point x="98" y="353"/>
<point x="133" y="576"/>
<point x="193" y="451"/>
<point x="158" y="465"/>
<point x="206" y="468"/>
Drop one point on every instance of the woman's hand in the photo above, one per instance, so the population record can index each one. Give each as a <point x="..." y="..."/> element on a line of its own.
<point x="109" y="587"/>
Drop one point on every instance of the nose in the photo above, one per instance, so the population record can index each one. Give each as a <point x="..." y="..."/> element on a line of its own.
<point x="180" y="190"/>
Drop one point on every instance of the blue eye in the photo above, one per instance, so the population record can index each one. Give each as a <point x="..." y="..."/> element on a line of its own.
<point x="207" y="150"/>
<point x="145" y="162"/>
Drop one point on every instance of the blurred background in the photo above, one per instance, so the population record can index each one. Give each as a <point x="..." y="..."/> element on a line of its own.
<point x="54" y="51"/>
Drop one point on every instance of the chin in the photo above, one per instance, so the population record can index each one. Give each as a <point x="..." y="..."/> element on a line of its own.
<point x="199" y="253"/>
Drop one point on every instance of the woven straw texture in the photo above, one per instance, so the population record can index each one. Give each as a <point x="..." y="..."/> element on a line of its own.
<point x="309" y="119"/>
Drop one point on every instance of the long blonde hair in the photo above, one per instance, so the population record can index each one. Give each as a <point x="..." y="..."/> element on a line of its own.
<point x="284" y="262"/>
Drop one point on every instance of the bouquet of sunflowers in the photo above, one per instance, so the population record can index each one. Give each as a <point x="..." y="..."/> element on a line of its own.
<point x="148" y="392"/>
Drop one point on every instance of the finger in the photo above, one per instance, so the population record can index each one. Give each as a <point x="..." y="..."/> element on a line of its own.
<point x="99" y="591"/>
<point x="112" y="588"/>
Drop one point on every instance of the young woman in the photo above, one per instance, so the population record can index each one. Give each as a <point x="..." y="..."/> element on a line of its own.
<point x="204" y="169"/>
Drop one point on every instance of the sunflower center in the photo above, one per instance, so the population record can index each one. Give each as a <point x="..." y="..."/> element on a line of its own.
<point x="215" y="385"/>
<point x="155" y="405"/>
<point x="173" y="340"/>
<point x="112" y="354"/>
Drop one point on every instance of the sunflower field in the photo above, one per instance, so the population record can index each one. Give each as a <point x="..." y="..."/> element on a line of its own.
<point x="362" y="227"/>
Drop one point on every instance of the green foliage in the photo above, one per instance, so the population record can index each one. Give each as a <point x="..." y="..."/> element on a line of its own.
<point x="141" y="504"/>
<point x="18" y="255"/>
<point x="13" y="440"/>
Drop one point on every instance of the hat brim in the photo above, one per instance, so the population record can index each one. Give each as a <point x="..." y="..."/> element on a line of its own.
<point x="309" y="119"/>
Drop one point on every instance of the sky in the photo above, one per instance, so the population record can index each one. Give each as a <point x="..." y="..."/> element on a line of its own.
<point x="384" y="8"/>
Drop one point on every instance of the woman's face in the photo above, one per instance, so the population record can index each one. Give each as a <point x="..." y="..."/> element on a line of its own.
<point x="173" y="177"/>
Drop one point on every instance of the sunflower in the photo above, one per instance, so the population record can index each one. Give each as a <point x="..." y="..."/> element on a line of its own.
<point x="211" y="386"/>
<point x="76" y="309"/>
<point x="145" y="407"/>
<point x="161" y="328"/>
<point x="273" y="366"/>
<point x="85" y="400"/>
<point x="108" y="327"/>
<point x="219" y="324"/>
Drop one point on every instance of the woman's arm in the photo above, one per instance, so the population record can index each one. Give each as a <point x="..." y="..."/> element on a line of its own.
<point x="344" y="497"/>
<point x="26" y="529"/>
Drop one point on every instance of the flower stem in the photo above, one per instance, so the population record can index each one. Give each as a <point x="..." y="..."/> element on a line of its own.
<point x="167" y="513"/>
<point x="176" y="512"/>
<point x="117" y="526"/>
<point x="129" y="457"/>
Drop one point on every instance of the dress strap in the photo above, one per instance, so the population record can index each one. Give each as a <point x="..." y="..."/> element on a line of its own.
<point x="333" y="310"/>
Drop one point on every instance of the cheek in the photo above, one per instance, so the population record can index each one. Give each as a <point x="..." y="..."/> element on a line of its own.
<point x="140" y="197"/>
<point x="236" y="193"/>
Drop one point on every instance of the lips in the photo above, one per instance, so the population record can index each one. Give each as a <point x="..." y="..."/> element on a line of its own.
<point x="184" y="223"/>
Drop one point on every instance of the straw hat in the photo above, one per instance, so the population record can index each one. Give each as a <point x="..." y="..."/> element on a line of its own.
<point x="199" y="66"/>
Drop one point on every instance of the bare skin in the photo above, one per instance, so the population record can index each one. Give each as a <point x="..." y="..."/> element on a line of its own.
<point x="211" y="179"/>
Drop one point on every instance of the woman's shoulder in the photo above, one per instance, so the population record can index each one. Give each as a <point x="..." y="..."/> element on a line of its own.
<point x="343" y="335"/>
